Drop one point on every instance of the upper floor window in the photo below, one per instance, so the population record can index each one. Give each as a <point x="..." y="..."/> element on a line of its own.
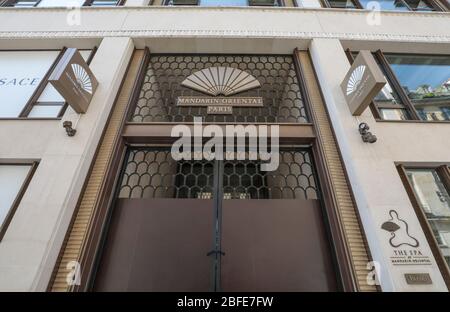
<point x="60" y="3"/>
<point x="418" y="87"/>
<point x="24" y="89"/>
<point x="384" y="5"/>
<point x="429" y="190"/>
<point x="225" y="2"/>
<point x="426" y="82"/>
<point x="343" y="4"/>
<point x="13" y="180"/>
<point x="102" y="3"/>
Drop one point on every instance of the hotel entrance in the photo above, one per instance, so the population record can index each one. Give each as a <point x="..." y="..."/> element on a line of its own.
<point x="167" y="223"/>
<point x="216" y="225"/>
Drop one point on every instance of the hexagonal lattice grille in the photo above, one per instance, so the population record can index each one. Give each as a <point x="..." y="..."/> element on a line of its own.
<point x="162" y="86"/>
<point x="152" y="173"/>
<point x="294" y="178"/>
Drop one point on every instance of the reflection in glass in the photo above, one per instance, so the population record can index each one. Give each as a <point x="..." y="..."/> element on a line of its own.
<point x="397" y="5"/>
<point x="393" y="114"/>
<point x="385" y="5"/>
<point x="25" y="3"/>
<point x="104" y="3"/>
<point x="426" y="81"/>
<point x="419" y="5"/>
<point x="434" y="200"/>
<point x="342" y="4"/>
<point x="223" y="3"/>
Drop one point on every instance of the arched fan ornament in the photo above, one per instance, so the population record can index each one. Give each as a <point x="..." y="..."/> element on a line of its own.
<point x="221" y="80"/>
<point x="355" y="79"/>
<point x="82" y="78"/>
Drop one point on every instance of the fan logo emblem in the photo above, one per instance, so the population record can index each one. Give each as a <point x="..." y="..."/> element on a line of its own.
<point x="82" y="78"/>
<point x="355" y="79"/>
<point x="221" y="81"/>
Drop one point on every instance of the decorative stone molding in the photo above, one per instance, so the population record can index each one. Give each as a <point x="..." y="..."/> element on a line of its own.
<point x="227" y="34"/>
<point x="286" y="21"/>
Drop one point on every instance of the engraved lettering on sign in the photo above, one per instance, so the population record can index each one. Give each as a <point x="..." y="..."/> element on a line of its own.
<point x="418" y="279"/>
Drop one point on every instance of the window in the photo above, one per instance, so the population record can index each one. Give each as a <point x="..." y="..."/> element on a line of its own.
<point x="24" y="89"/>
<point x="425" y="80"/>
<point x="384" y="5"/>
<point x="13" y="179"/>
<point x="61" y="3"/>
<point x="102" y="3"/>
<point x="342" y="4"/>
<point x="431" y="193"/>
<point x="26" y="3"/>
<point x="224" y="3"/>
<point x="418" y="87"/>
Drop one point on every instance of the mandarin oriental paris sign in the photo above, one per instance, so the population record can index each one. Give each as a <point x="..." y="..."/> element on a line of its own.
<point x="220" y="83"/>
<point x="362" y="83"/>
<point x="74" y="80"/>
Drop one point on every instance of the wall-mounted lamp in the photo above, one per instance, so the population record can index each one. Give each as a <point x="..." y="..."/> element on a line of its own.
<point x="68" y="126"/>
<point x="366" y="135"/>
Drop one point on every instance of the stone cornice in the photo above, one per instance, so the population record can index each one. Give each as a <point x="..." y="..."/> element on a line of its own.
<point x="285" y="23"/>
<point x="279" y="10"/>
<point x="221" y="34"/>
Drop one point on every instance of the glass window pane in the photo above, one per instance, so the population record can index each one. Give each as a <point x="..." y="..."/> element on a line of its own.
<point x="50" y="94"/>
<point x="426" y="81"/>
<point x="61" y="3"/>
<point x="385" y="5"/>
<point x="22" y="71"/>
<point x="12" y="178"/>
<point x="45" y="111"/>
<point x="419" y="5"/>
<point x="434" y="200"/>
<point x="25" y="3"/>
<point x="342" y="4"/>
<point x="393" y="114"/>
<point x="388" y="96"/>
<point x="104" y="3"/>
<point x="223" y="2"/>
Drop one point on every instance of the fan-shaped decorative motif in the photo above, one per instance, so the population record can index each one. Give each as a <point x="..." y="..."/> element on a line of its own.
<point x="355" y="79"/>
<point x="221" y="80"/>
<point x="82" y="78"/>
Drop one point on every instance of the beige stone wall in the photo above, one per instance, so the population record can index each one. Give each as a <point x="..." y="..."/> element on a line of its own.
<point x="32" y="242"/>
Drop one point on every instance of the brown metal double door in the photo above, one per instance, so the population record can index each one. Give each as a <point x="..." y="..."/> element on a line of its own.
<point x="216" y="244"/>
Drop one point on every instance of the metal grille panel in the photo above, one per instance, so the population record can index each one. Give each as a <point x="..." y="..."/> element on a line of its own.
<point x="152" y="173"/>
<point x="280" y="89"/>
<point x="294" y="178"/>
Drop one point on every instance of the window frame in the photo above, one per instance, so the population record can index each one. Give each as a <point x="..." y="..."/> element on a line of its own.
<point x="406" y="104"/>
<point x="41" y="87"/>
<point x="432" y="3"/>
<point x="443" y="171"/>
<point x="10" y="3"/>
<point x="281" y="3"/>
<point x="12" y="210"/>
<point x="89" y="3"/>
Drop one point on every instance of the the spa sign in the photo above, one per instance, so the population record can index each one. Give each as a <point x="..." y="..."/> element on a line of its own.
<point x="220" y="83"/>
<point x="362" y="83"/>
<point x="74" y="80"/>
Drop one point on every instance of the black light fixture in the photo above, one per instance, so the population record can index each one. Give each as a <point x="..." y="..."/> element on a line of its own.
<point x="366" y="135"/>
<point x="68" y="126"/>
